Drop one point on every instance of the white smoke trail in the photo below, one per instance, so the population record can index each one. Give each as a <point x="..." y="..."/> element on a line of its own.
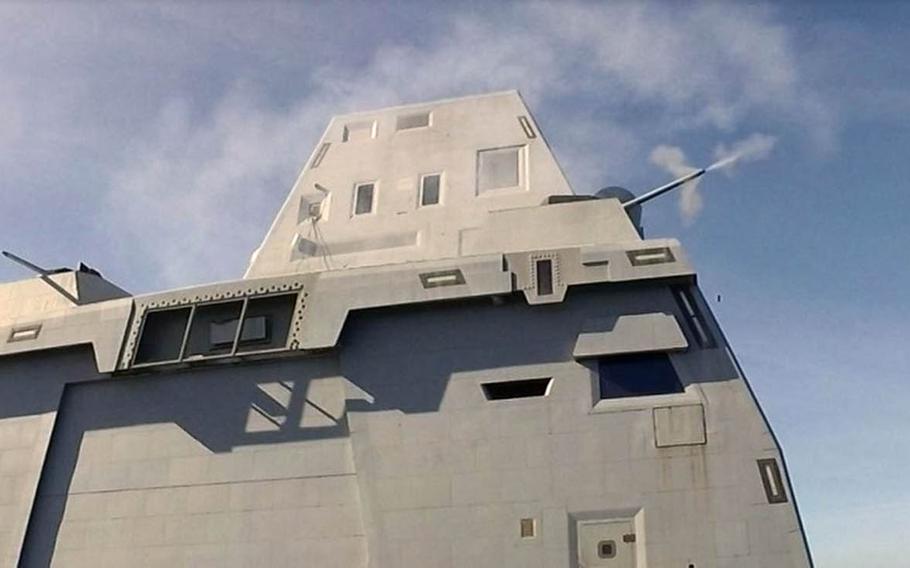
<point x="672" y="159"/>
<point x="755" y="147"/>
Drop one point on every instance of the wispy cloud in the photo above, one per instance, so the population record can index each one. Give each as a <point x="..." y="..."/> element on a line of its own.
<point x="196" y="185"/>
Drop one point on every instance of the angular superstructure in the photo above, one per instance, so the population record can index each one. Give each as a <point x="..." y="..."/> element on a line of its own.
<point x="439" y="357"/>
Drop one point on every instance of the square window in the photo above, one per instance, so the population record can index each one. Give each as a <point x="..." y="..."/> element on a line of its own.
<point x="363" y="198"/>
<point x="430" y="188"/>
<point x="409" y="121"/>
<point x="359" y="131"/>
<point x="637" y="375"/>
<point x="499" y="168"/>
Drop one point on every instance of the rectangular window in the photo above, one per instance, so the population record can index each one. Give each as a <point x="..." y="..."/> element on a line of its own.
<point x="26" y="333"/>
<point x="637" y="375"/>
<point x="356" y="131"/>
<point x="526" y="388"/>
<point x="647" y="257"/>
<point x="320" y="155"/>
<point x="499" y="168"/>
<point x="213" y="329"/>
<point x="528" y="528"/>
<point x="526" y="126"/>
<point x="363" y="198"/>
<point x="266" y="323"/>
<point x="544" y="269"/>
<point x="409" y="121"/>
<point x="162" y="336"/>
<point x="430" y="188"/>
<point x="772" y="481"/>
<point x="442" y="278"/>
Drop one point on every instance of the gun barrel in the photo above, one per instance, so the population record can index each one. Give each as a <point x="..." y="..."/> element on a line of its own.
<point x="664" y="188"/>
<point x="19" y="260"/>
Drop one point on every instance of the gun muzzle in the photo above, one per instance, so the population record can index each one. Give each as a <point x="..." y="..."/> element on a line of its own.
<point x="664" y="188"/>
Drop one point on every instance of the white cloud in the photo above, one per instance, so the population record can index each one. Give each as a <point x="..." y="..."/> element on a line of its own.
<point x="196" y="186"/>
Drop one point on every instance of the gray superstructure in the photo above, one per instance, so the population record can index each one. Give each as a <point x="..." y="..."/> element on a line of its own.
<point x="438" y="357"/>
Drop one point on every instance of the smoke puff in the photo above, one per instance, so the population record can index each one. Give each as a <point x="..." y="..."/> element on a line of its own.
<point x="673" y="160"/>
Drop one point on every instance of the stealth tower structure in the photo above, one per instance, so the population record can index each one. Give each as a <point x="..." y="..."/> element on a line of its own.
<point x="439" y="357"/>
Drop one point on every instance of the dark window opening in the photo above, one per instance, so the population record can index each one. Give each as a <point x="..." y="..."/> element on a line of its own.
<point x="409" y="121"/>
<point x="528" y="528"/>
<point x="544" y="270"/>
<point x="267" y="322"/>
<point x="429" y="189"/>
<point x="526" y="388"/>
<point x="320" y="155"/>
<point x="363" y="199"/>
<point x="694" y="318"/>
<point x="646" y="257"/>
<point x="637" y="375"/>
<point x="214" y="329"/>
<point x="162" y="336"/>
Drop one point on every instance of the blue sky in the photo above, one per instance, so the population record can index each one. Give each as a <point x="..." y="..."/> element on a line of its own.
<point x="157" y="141"/>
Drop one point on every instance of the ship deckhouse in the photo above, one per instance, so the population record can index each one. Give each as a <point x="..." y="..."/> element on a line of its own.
<point x="439" y="356"/>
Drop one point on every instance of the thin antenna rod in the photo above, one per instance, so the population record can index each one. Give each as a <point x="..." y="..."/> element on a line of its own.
<point x="43" y="274"/>
<point x="664" y="188"/>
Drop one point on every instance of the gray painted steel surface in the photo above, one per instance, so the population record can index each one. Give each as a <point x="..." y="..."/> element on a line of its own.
<point x="330" y="409"/>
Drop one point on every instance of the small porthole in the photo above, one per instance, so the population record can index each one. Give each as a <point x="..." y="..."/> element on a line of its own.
<point x="606" y="549"/>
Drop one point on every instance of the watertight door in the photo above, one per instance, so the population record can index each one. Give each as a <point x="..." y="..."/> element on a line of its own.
<point x="610" y="544"/>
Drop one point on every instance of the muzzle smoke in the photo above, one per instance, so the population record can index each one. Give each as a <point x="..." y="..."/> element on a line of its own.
<point x="673" y="160"/>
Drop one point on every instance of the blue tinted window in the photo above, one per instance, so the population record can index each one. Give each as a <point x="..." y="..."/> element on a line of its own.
<point x="637" y="375"/>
